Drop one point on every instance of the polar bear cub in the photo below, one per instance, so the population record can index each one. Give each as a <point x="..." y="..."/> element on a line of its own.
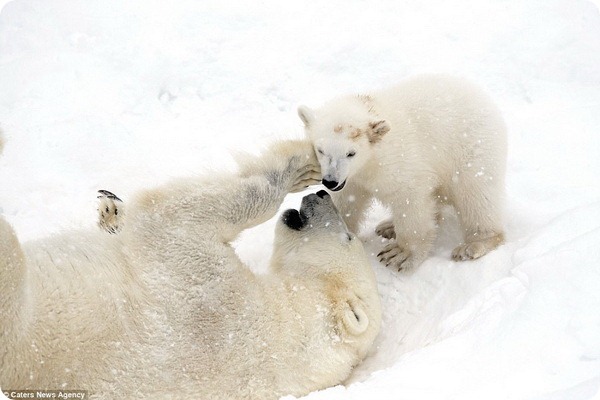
<point x="430" y="140"/>
<point x="165" y="308"/>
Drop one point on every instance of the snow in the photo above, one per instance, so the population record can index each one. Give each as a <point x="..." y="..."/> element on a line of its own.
<point x="124" y="95"/>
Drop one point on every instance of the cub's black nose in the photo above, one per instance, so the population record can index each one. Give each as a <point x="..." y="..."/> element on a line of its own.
<point x="322" y="193"/>
<point x="329" y="184"/>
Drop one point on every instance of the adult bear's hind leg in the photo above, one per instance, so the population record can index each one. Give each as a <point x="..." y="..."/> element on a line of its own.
<point x="110" y="211"/>
<point x="12" y="283"/>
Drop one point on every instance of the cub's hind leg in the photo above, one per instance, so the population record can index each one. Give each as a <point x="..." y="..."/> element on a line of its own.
<point x="479" y="207"/>
<point x="110" y="211"/>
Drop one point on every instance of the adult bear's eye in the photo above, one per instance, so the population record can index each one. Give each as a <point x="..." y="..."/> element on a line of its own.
<point x="320" y="151"/>
<point x="351" y="154"/>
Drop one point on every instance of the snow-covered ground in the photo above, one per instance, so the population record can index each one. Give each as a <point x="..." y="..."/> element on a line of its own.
<point x="123" y="95"/>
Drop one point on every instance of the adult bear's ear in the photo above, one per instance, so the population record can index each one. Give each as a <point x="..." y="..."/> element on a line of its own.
<point x="306" y="115"/>
<point x="355" y="318"/>
<point x="377" y="129"/>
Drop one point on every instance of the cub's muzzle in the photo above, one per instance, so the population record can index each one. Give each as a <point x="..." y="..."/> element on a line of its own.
<point x="333" y="185"/>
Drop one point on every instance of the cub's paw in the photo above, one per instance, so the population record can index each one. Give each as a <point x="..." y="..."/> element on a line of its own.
<point x="386" y="229"/>
<point x="468" y="251"/>
<point x="110" y="211"/>
<point x="478" y="248"/>
<point x="397" y="257"/>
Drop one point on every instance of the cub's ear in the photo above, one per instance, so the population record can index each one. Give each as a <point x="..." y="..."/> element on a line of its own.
<point x="377" y="129"/>
<point x="355" y="318"/>
<point x="306" y="115"/>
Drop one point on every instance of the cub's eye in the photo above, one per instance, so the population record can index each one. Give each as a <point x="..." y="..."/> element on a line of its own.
<point x="351" y="154"/>
<point x="320" y="151"/>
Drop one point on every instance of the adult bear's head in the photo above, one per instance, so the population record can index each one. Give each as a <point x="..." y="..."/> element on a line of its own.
<point x="314" y="244"/>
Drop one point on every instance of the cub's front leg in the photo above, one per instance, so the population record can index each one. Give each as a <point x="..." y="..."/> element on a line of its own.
<point x="352" y="202"/>
<point x="414" y="230"/>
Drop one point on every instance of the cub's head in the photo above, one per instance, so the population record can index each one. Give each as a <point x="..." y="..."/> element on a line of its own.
<point x="313" y="243"/>
<point x="343" y="132"/>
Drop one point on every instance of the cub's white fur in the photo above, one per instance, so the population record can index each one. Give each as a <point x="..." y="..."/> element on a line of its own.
<point x="165" y="309"/>
<point x="431" y="139"/>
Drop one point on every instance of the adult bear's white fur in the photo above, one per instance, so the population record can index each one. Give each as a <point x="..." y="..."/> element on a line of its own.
<point x="432" y="139"/>
<point x="165" y="309"/>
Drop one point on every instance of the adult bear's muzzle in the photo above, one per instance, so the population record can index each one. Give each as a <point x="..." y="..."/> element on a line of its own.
<point x="315" y="208"/>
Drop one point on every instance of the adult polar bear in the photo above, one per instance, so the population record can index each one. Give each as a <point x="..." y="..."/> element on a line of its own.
<point x="165" y="309"/>
<point x="432" y="139"/>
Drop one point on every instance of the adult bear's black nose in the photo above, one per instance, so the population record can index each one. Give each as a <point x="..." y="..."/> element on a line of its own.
<point x="330" y="184"/>
<point x="293" y="219"/>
